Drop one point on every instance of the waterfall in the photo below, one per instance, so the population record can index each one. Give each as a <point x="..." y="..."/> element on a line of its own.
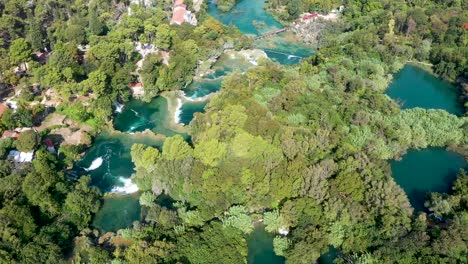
<point x="95" y="164"/>
<point x="127" y="188"/>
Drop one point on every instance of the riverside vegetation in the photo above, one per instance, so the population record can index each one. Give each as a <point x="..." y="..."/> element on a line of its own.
<point x="303" y="148"/>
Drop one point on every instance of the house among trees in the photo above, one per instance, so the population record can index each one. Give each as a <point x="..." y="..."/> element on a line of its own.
<point x="21" y="157"/>
<point x="310" y="16"/>
<point x="180" y="14"/>
<point x="50" y="146"/>
<point x="10" y="134"/>
<point x="3" y="108"/>
<point x="137" y="89"/>
<point x="42" y="56"/>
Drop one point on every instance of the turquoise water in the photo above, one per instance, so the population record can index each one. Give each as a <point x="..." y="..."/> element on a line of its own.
<point x="415" y="87"/>
<point x="328" y="257"/>
<point x="203" y="87"/>
<point x="189" y="109"/>
<point x="138" y="116"/>
<point x="250" y="17"/>
<point x="244" y="14"/>
<point x="117" y="213"/>
<point x="283" y="51"/>
<point x="114" y="150"/>
<point x="260" y="248"/>
<point x="427" y="170"/>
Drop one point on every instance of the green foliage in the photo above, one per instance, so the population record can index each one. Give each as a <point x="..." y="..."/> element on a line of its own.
<point x="82" y="202"/>
<point x="280" y="245"/>
<point x="214" y="244"/>
<point x="147" y="199"/>
<point x="175" y="148"/>
<point x="210" y="152"/>
<point x="273" y="221"/>
<point x="20" y="51"/>
<point x="27" y="141"/>
<point x="238" y="217"/>
<point x="164" y="36"/>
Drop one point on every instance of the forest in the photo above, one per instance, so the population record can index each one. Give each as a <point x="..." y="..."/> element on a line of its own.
<point x="303" y="148"/>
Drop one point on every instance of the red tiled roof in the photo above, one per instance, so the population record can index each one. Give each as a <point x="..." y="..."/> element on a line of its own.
<point x="10" y="134"/>
<point x="49" y="143"/>
<point x="310" y="16"/>
<point x="3" y="108"/>
<point x="135" y="85"/>
<point x="465" y="26"/>
<point x="178" y="15"/>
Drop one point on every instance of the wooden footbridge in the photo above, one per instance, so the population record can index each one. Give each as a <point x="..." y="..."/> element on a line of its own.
<point x="272" y="33"/>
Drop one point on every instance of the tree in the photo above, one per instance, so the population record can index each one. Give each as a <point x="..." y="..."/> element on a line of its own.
<point x="97" y="82"/>
<point x="175" y="148"/>
<point x="164" y="36"/>
<point x="82" y="202"/>
<point x="27" y="141"/>
<point x="147" y="199"/>
<point x="20" y="51"/>
<point x="273" y="221"/>
<point x="96" y="27"/>
<point x="280" y="245"/>
<point x="238" y="217"/>
<point x="35" y="35"/>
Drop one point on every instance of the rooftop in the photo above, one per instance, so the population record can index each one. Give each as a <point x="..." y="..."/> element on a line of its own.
<point x="3" y="108"/>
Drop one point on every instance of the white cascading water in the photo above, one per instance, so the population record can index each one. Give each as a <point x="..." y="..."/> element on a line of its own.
<point x="95" y="164"/>
<point x="178" y="111"/>
<point x="127" y="188"/>
<point x="118" y="107"/>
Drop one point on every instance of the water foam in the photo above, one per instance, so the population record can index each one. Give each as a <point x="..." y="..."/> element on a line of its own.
<point x="178" y="111"/>
<point x="136" y="113"/>
<point x="127" y="188"/>
<point x="95" y="164"/>
<point x="118" y="107"/>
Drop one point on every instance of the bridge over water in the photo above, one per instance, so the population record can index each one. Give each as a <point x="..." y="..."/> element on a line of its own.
<point x="272" y="33"/>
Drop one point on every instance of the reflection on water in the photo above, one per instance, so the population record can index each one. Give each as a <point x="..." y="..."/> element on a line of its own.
<point x="260" y="248"/>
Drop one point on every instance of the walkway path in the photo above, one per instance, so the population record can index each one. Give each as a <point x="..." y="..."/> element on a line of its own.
<point x="272" y="33"/>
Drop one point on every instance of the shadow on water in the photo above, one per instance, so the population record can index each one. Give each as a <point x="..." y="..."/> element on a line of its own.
<point x="328" y="257"/>
<point x="260" y="248"/>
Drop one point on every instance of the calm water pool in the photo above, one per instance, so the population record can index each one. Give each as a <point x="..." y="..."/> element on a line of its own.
<point x="427" y="170"/>
<point x="415" y="87"/>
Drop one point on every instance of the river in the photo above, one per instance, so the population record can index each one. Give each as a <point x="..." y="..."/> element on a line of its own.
<point x="160" y="115"/>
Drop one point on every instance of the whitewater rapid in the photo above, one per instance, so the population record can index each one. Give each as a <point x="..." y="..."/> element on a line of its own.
<point x="128" y="187"/>
<point x="95" y="164"/>
<point x="178" y="111"/>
